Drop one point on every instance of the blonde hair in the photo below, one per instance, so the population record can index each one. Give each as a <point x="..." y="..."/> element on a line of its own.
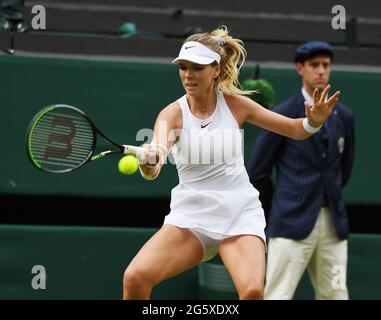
<point x="233" y="56"/>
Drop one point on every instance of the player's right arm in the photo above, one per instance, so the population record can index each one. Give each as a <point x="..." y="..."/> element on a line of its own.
<point x="166" y="130"/>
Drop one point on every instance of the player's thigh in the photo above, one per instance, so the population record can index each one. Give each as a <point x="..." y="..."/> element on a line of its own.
<point x="170" y="251"/>
<point x="245" y="258"/>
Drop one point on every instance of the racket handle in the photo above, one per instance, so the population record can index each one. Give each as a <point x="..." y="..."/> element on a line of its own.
<point x="132" y="150"/>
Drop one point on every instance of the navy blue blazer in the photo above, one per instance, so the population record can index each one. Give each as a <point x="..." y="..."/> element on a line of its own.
<point x="303" y="173"/>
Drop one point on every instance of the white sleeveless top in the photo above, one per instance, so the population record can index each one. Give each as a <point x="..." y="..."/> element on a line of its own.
<point x="214" y="193"/>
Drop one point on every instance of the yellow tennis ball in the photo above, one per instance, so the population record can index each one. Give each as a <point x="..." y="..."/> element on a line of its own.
<point x="128" y="165"/>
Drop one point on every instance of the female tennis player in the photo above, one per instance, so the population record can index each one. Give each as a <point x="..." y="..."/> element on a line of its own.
<point x="214" y="208"/>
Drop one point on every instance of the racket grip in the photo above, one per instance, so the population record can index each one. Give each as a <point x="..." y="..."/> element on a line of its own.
<point x="132" y="150"/>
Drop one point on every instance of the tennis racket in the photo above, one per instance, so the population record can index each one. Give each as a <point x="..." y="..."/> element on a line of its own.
<point x="62" y="138"/>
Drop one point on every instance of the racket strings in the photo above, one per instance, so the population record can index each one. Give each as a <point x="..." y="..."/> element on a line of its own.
<point x="60" y="140"/>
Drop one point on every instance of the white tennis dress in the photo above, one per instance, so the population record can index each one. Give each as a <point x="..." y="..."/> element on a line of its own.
<point x="214" y="195"/>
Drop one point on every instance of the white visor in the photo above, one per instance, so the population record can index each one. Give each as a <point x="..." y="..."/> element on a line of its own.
<point x="198" y="53"/>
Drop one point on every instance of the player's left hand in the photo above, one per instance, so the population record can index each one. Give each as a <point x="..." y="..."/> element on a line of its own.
<point x="321" y="109"/>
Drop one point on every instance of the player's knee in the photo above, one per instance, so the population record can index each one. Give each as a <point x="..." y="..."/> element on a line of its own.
<point x="252" y="292"/>
<point x="134" y="279"/>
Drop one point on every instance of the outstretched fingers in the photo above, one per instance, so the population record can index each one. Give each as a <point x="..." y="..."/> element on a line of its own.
<point x="333" y="100"/>
<point x="315" y="97"/>
<point x="324" y="93"/>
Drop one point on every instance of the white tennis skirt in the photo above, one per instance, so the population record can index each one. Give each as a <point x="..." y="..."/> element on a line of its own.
<point x="219" y="213"/>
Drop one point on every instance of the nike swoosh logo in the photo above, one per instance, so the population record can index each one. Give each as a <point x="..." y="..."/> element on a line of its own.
<point x="203" y="126"/>
<point x="186" y="48"/>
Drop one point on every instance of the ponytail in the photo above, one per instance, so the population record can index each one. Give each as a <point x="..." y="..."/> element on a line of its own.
<point x="233" y="56"/>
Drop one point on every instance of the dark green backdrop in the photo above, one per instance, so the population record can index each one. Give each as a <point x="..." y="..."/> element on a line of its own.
<point x="124" y="97"/>
<point x="88" y="263"/>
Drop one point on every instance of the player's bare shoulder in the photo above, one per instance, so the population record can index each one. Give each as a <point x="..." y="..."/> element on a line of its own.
<point x="239" y="107"/>
<point x="172" y="114"/>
